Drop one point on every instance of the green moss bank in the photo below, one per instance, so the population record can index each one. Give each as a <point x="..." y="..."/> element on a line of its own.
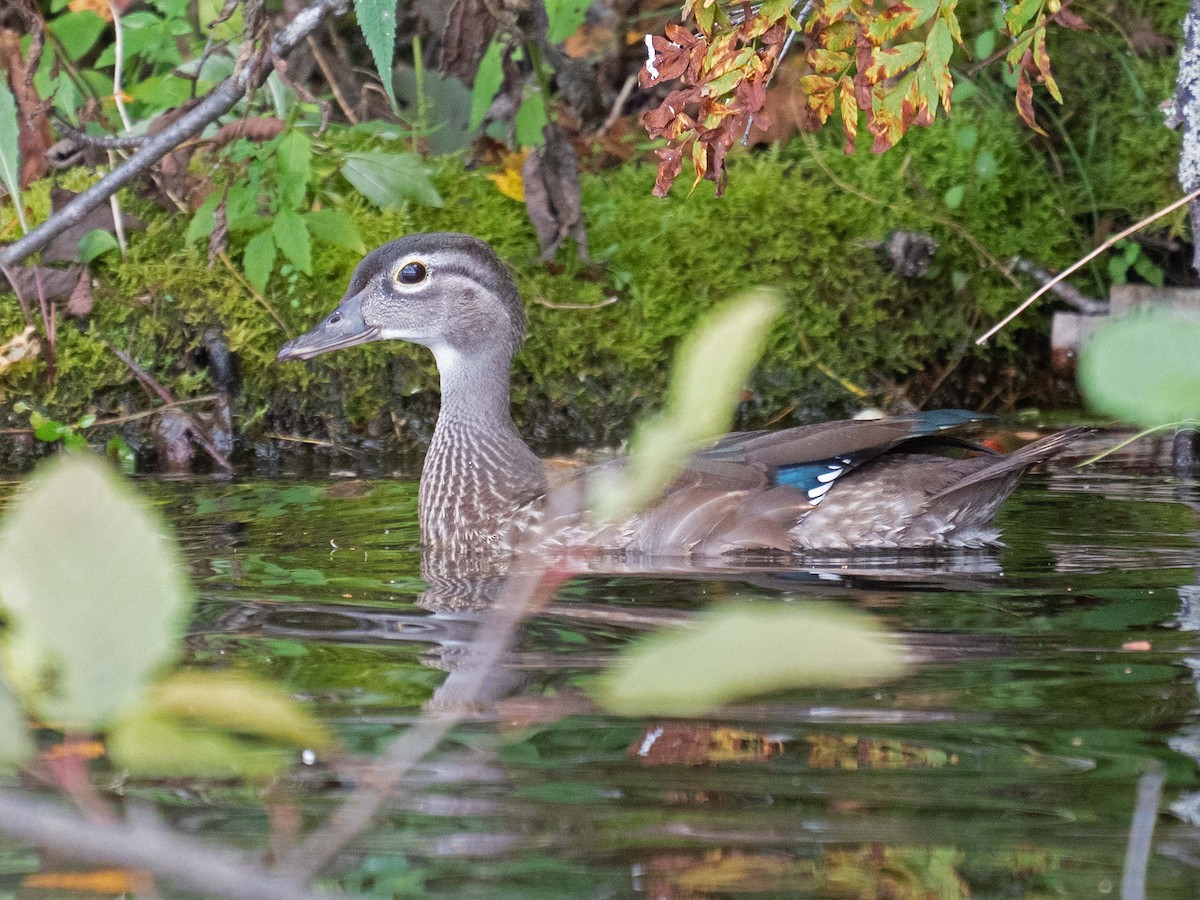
<point x="801" y="218"/>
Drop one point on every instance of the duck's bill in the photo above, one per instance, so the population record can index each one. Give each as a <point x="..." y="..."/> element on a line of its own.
<point x="344" y="327"/>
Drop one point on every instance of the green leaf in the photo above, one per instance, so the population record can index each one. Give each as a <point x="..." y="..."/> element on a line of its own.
<point x="94" y="591"/>
<point x="1144" y="369"/>
<point x="1020" y="13"/>
<point x="199" y="723"/>
<point x="50" y="431"/>
<point x="332" y="226"/>
<point x="167" y="747"/>
<point x="203" y="221"/>
<point x="389" y="179"/>
<point x="707" y="378"/>
<point x="740" y="650"/>
<point x="119" y="452"/>
<point x="232" y="701"/>
<point x="985" y="43"/>
<point x="377" y="22"/>
<point x="95" y="243"/>
<point x="531" y="120"/>
<point x="954" y="196"/>
<point x="291" y="237"/>
<point x="10" y="158"/>
<point x="293" y="161"/>
<point x="258" y="259"/>
<point x="488" y="80"/>
<point x="77" y="32"/>
<point x="565" y="17"/>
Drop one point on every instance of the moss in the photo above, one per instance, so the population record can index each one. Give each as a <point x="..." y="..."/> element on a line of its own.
<point x="801" y="218"/>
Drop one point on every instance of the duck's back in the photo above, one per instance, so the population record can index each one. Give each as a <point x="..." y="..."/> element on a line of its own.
<point x="834" y="486"/>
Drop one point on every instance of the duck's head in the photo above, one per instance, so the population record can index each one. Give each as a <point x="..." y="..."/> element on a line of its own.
<point x="448" y="292"/>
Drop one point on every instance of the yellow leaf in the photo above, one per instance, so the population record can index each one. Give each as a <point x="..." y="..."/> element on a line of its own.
<point x="508" y="180"/>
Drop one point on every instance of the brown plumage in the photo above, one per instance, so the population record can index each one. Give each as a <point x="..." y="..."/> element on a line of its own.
<point x="832" y="486"/>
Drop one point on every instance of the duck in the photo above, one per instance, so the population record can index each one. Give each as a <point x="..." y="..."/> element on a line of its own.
<point x="871" y="484"/>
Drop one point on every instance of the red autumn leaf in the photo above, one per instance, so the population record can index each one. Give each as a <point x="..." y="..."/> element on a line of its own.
<point x="668" y="169"/>
<point x="1025" y="95"/>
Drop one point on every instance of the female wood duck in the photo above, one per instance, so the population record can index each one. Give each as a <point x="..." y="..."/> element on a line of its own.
<point x="833" y="486"/>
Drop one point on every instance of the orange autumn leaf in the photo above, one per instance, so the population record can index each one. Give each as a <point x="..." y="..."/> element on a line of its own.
<point x="99" y="881"/>
<point x="99" y="7"/>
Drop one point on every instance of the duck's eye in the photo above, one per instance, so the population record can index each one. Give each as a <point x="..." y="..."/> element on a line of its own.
<point x="411" y="273"/>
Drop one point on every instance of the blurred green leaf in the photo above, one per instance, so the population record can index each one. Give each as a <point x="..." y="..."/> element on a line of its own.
<point x="10" y="159"/>
<point x="389" y="179"/>
<point x="166" y="747"/>
<point x="235" y="702"/>
<point x="377" y="22"/>
<point x="1144" y="368"/>
<point x="214" y="723"/>
<point x="707" y="378"/>
<point x="332" y="226"/>
<point x="94" y="590"/>
<point x="96" y="243"/>
<point x="488" y="79"/>
<point x="954" y="196"/>
<point x="739" y="651"/>
<point x="258" y="259"/>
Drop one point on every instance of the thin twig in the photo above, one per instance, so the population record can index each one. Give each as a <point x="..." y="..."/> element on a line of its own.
<point x="1089" y="306"/>
<point x="334" y="87"/>
<point x="118" y="66"/>
<point x="198" y="433"/>
<point x="1079" y="264"/>
<point x="107" y="142"/>
<point x="222" y="99"/>
<point x="316" y="442"/>
<point x="224" y="257"/>
<point x="139" y="844"/>
<point x="618" y="105"/>
<point x="607" y="301"/>
<point x="1141" y="833"/>
<point x="529" y="582"/>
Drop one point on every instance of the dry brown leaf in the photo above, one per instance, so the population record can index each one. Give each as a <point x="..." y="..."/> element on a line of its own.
<point x="20" y="346"/>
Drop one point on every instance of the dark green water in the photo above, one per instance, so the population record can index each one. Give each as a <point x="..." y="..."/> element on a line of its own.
<point x="1004" y="765"/>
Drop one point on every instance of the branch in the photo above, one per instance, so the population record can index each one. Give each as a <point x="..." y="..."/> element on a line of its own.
<point x="1080" y="263"/>
<point x="139" y="843"/>
<point x="220" y="101"/>
<point x="530" y="582"/>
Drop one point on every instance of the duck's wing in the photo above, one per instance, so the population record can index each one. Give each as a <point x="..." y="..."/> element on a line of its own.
<point x="811" y="458"/>
<point x="748" y="491"/>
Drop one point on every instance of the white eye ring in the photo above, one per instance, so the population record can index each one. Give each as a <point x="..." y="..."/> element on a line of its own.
<point x="411" y="273"/>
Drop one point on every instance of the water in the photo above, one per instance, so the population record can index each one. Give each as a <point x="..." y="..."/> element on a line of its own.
<point x="1004" y="765"/>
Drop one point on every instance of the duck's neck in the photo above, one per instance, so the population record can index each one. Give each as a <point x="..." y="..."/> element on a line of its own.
<point x="478" y="471"/>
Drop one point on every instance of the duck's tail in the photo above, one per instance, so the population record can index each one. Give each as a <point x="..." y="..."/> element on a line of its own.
<point x="1018" y="461"/>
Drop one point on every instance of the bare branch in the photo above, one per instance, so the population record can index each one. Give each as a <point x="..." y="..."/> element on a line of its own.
<point x="220" y="101"/>
<point x="140" y="844"/>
